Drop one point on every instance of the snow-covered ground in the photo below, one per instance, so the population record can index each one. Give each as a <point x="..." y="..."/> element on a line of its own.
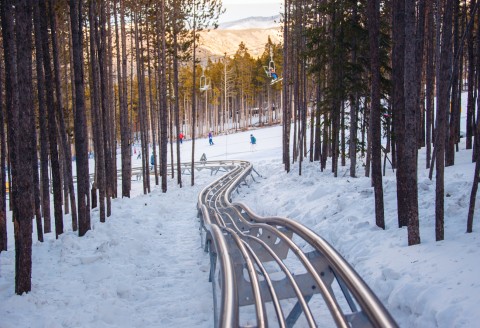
<point x="145" y="266"/>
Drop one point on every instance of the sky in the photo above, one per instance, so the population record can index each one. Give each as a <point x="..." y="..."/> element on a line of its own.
<point x="237" y="9"/>
<point x="145" y="267"/>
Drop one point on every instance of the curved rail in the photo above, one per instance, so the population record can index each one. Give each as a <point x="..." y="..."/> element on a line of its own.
<point x="274" y="271"/>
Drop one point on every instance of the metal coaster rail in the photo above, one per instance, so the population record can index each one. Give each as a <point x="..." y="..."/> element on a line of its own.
<point x="273" y="271"/>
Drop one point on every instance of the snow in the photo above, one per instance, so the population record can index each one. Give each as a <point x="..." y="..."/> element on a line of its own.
<point x="145" y="267"/>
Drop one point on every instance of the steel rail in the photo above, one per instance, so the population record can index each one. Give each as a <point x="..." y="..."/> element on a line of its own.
<point x="242" y="233"/>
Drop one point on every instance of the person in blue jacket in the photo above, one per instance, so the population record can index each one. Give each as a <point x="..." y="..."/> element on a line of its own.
<point x="152" y="161"/>
<point x="253" y="142"/>
<point x="273" y="74"/>
<point x="210" y="138"/>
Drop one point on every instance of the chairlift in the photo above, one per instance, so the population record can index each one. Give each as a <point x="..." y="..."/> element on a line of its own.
<point x="204" y="83"/>
<point x="271" y="71"/>
<point x="270" y="68"/>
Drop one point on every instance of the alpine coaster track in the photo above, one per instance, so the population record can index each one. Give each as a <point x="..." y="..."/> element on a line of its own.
<point x="273" y="271"/>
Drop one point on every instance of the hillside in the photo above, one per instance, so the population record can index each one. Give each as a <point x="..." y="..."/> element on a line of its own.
<point x="253" y="32"/>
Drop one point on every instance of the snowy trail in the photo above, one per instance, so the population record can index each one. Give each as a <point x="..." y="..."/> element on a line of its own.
<point x="144" y="267"/>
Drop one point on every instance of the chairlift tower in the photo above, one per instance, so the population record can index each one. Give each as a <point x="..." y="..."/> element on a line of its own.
<point x="205" y="86"/>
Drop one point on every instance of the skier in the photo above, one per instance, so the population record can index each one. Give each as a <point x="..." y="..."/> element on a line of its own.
<point x="210" y="138"/>
<point x="253" y="142"/>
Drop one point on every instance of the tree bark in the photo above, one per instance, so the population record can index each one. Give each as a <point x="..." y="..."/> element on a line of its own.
<point x="411" y="118"/>
<point x="373" y="9"/>
<point x="11" y="97"/>
<point x="163" y="98"/>
<point x="106" y="116"/>
<point x="23" y="193"/>
<point x="52" y="122"/>
<point x="175" y="88"/>
<point x="81" y="141"/>
<point x="45" y="183"/>
<point x="61" y="117"/>
<point x="452" y="131"/>
<point x="430" y="76"/>
<point x="125" y="134"/>
<point x="443" y="105"/>
<point x="96" y="112"/>
<point x="3" y="180"/>
<point x="398" y="56"/>
<point x="471" y="100"/>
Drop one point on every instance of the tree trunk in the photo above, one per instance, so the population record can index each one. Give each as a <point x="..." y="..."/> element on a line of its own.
<point x="52" y="122"/>
<point x="398" y="54"/>
<point x="354" y="108"/>
<point x="45" y="183"/>
<point x="11" y="97"/>
<point x="443" y="105"/>
<point x="374" y="29"/>
<point x="175" y="88"/>
<point x="163" y="99"/>
<point x="96" y="112"/>
<point x="23" y="193"/>
<point x="473" y="194"/>
<point x="106" y="116"/>
<point x="471" y="80"/>
<point x="125" y="133"/>
<point x="142" y="109"/>
<point x="3" y="180"/>
<point x="194" y="94"/>
<point x="452" y="132"/>
<point x="430" y="75"/>
<point x="286" y="88"/>
<point x="318" y="142"/>
<point x="36" y="178"/>
<point x="153" y="113"/>
<point x="419" y="61"/>
<point x="81" y="140"/>
<point x="61" y="117"/>
<point x="411" y="118"/>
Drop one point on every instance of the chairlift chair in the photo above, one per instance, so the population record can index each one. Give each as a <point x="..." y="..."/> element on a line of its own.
<point x="270" y="68"/>
<point x="204" y="83"/>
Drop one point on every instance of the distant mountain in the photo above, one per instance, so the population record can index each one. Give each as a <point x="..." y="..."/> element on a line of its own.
<point x="252" y="23"/>
<point x="253" y="32"/>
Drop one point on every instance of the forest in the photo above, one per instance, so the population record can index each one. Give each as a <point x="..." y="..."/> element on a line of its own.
<point x="365" y="81"/>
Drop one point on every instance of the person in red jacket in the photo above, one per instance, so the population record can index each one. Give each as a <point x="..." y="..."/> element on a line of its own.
<point x="180" y="137"/>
